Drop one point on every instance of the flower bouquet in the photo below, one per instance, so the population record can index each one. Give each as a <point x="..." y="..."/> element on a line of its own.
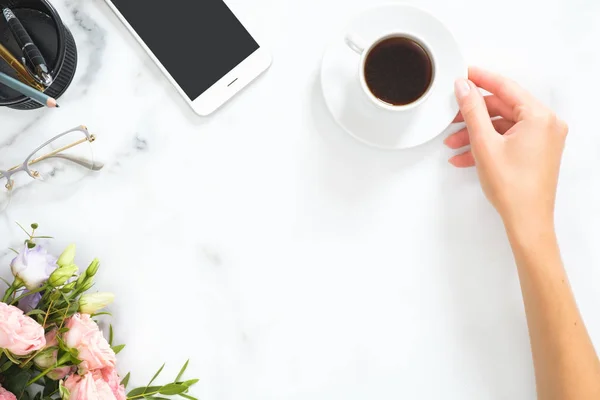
<point x="51" y="347"/>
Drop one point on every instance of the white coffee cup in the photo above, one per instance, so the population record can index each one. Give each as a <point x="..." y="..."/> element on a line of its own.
<point x="364" y="49"/>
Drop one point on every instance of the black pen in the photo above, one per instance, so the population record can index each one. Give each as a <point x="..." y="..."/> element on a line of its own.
<point x="33" y="59"/>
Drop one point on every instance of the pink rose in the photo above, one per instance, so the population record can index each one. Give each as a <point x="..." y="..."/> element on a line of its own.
<point x="93" y="386"/>
<point x="85" y="336"/>
<point x="111" y="377"/>
<point x="19" y="334"/>
<point x="6" y="395"/>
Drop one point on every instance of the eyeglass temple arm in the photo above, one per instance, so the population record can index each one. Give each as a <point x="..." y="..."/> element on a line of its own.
<point x="92" y="165"/>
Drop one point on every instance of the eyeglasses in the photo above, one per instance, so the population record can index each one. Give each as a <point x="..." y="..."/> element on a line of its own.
<point x="64" y="159"/>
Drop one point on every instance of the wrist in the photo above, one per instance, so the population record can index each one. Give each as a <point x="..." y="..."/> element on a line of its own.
<point x="525" y="232"/>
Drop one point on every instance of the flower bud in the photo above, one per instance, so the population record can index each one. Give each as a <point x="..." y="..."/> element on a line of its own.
<point x="62" y="275"/>
<point x="59" y="373"/>
<point x="93" y="268"/>
<point x="69" y="287"/>
<point x="91" y="303"/>
<point x="67" y="257"/>
<point x="86" y="285"/>
<point x="82" y="278"/>
<point x="48" y="356"/>
<point x="46" y="359"/>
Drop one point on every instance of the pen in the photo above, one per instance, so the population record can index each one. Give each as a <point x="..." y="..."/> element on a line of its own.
<point x="33" y="56"/>
<point x="28" y="91"/>
<point x="19" y="69"/>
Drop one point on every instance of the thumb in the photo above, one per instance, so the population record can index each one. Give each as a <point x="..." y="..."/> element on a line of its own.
<point x="473" y="108"/>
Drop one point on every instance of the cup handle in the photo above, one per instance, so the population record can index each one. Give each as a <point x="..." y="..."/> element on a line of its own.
<point x="355" y="43"/>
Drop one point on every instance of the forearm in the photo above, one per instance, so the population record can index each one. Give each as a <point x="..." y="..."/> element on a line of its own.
<point x="566" y="365"/>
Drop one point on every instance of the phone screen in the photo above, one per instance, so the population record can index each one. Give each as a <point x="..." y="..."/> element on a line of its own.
<point x="197" y="41"/>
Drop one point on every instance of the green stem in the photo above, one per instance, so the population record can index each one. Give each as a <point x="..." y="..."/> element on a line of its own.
<point x="139" y="396"/>
<point x="63" y="360"/>
<point x="9" y="293"/>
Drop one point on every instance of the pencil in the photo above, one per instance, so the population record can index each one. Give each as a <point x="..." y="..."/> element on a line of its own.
<point x="19" y="68"/>
<point x="28" y="91"/>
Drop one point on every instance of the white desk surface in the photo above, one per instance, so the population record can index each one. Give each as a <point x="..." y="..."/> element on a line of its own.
<point x="284" y="258"/>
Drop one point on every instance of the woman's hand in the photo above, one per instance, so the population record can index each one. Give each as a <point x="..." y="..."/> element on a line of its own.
<point x="517" y="155"/>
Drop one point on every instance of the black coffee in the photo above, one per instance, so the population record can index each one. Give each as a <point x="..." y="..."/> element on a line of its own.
<point x="398" y="71"/>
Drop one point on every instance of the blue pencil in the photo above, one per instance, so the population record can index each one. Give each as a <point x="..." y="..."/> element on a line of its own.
<point x="28" y="91"/>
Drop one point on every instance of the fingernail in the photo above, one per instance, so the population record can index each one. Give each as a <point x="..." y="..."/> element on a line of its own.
<point x="462" y="88"/>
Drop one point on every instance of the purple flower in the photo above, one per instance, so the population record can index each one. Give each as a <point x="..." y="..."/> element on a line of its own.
<point x="30" y="302"/>
<point x="33" y="266"/>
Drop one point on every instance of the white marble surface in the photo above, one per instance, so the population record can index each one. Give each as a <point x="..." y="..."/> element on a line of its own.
<point x="287" y="260"/>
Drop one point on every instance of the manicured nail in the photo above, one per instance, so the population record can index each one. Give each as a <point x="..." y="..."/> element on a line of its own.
<point x="462" y="88"/>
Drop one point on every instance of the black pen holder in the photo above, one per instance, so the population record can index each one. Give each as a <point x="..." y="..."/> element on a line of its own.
<point x="54" y="40"/>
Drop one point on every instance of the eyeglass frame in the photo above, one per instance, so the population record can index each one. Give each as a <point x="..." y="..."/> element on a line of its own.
<point x="90" y="164"/>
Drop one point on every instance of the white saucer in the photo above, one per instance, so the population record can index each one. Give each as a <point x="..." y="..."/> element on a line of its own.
<point x="352" y="109"/>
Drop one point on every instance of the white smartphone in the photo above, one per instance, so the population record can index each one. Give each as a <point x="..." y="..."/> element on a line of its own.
<point x="200" y="45"/>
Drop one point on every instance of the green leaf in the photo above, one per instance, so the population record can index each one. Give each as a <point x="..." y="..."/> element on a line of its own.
<point x="64" y="392"/>
<point x="73" y="308"/>
<point x="125" y="380"/>
<point x="17" y="383"/>
<point x="148" y="389"/>
<point x="36" y="312"/>
<point x="11" y="357"/>
<point x="6" y="366"/>
<point x="5" y="281"/>
<point x="111" y="335"/>
<point x="61" y="343"/>
<point x="50" y="387"/>
<point x="187" y="396"/>
<point x="136" y="392"/>
<point x="74" y="353"/>
<point x="191" y="382"/>
<point x="156" y="375"/>
<point x="173" y="388"/>
<point x="180" y="374"/>
<point x="102" y="313"/>
<point x="117" y="349"/>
